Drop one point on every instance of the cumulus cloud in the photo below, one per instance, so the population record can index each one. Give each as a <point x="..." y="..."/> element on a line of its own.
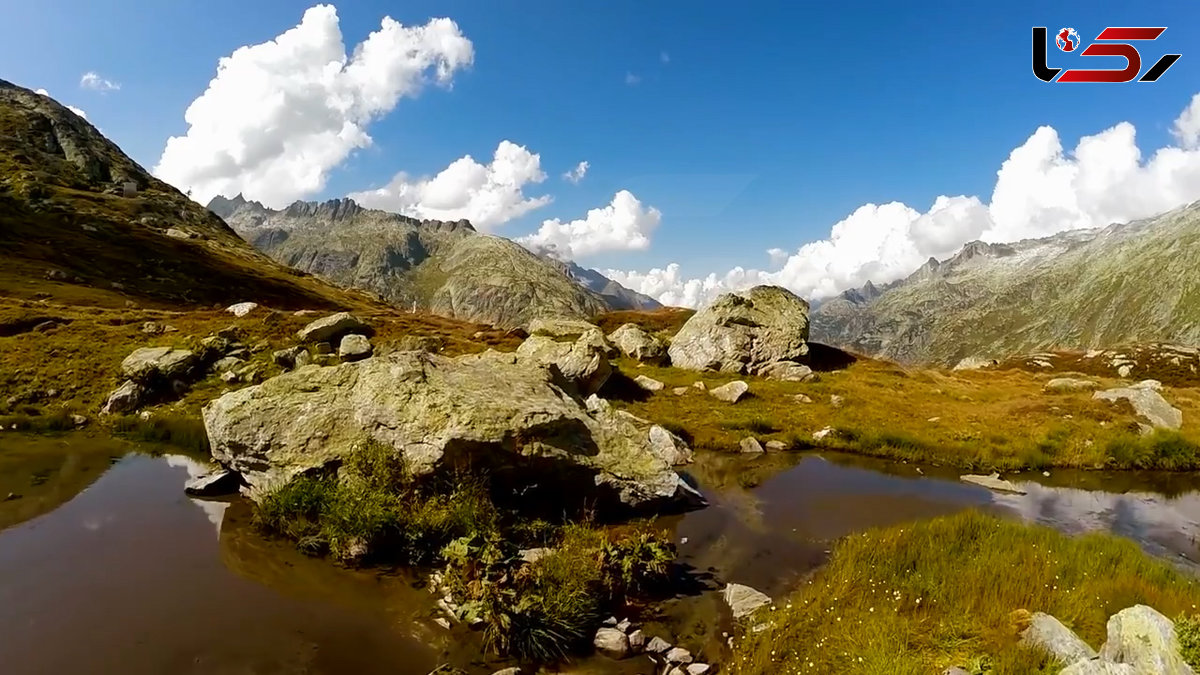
<point x="486" y="194"/>
<point x="623" y="225"/>
<point x="1041" y="189"/>
<point x="576" y="175"/>
<point x="777" y="256"/>
<point x="280" y="115"/>
<point x="72" y="108"/>
<point x="92" y="80"/>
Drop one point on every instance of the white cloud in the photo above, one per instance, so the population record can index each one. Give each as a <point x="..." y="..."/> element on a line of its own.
<point x="280" y="115"/>
<point x="623" y="225"/>
<point x="486" y="194"/>
<point x="576" y="175"/>
<point x="664" y="57"/>
<point x="72" y="108"/>
<point x="631" y="79"/>
<point x="92" y="80"/>
<point x="1041" y="189"/>
<point x="777" y="256"/>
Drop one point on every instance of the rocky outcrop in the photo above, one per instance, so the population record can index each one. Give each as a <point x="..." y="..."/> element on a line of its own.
<point x="1147" y="403"/>
<point x="636" y="343"/>
<point x="584" y="362"/>
<point x="1143" y="638"/>
<point x="489" y="410"/>
<point x="751" y="333"/>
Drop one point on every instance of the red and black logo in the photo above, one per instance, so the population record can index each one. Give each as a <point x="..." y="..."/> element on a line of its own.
<point x="1110" y="42"/>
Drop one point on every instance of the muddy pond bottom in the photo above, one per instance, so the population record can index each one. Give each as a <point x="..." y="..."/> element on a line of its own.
<point x="107" y="567"/>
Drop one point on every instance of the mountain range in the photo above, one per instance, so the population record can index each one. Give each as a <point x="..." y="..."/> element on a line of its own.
<point x="445" y="267"/>
<point x="1105" y="287"/>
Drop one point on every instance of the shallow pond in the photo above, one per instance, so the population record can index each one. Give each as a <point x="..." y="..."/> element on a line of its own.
<point x="107" y="567"/>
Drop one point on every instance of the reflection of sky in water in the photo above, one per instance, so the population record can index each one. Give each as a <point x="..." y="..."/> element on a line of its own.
<point x="1163" y="525"/>
<point x="214" y="510"/>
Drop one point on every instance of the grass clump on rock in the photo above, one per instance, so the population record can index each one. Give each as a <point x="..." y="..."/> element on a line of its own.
<point x="954" y="591"/>
<point x="539" y="604"/>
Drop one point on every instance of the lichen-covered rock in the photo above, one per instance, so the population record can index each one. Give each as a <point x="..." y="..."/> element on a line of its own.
<point x="744" y="600"/>
<point x="561" y="327"/>
<point x="611" y="643"/>
<point x="151" y="363"/>
<point x="286" y="358"/>
<point x="583" y="363"/>
<point x="744" y="332"/>
<point x="1049" y="634"/>
<point x="750" y="446"/>
<point x="648" y="383"/>
<point x="125" y="398"/>
<point x="334" y="326"/>
<point x="669" y="446"/>
<point x="488" y="409"/>
<point x="636" y="343"/>
<point x="787" y="371"/>
<point x="1062" y="385"/>
<point x="731" y="392"/>
<point x="354" y="347"/>
<point x="1143" y="638"/>
<point x="242" y="308"/>
<point x="1148" y="403"/>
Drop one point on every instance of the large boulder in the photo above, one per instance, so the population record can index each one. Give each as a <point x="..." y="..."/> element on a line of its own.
<point x="488" y="410"/>
<point x="561" y="327"/>
<point x="746" y="333"/>
<point x="1147" y="403"/>
<point x="331" y="327"/>
<point x="1050" y="635"/>
<point x="354" y="347"/>
<point x="149" y="364"/>
<point x="636" y="343"/>
<point x="584" y="362"/>
<point x="1143" y="638"/>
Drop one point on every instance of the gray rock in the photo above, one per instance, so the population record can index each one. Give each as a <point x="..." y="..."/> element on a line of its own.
<point x="1148" y="403"/>
<point x="1143" y="638"/>
<point x="213" y="484"/>
<point x="508" y="671"/>
<point x="354" y="347"/>
<point x="954" y="670"/>
<point x="561" y="327"/>
<point x="744" y="332"/>
<point x="1062" y="385"/>
<point x="648" y="383"/>
<point x="303" y="358"/>
<point x="698" y="668"/>
<point x="637" y="641"/>
<point x="323" y="348"/>
<point x="698" y="384"/>
<point x="1125" y="370"/>
<point x="974" y="363"/>
<point x="423" y="405"/>
<point x="286" y="358"/>
<point x="730" y="393"/>
<point x="669" y="446"/>
<point x="836" y="401"/>
<point x="151" y="363"/>
<point x="611" y="643"/>
<point x="787" y="371"/>
<point x="610" y="622"/>
<point x="624" y="625"/>
<point x="125" y="398"/>
<point x="636" y="343"/>
<point x="1097" y="667"/>
<point x="1049" y="634"/>
<point x="678" y="655"/>
<point x="334" y="326"/>
<point x="744" y="600"/>
<point x="802" y="398"/>
<point x="680" y="391"/>
<point x="824" y="433"/>
<point x="750" y="445"/>
<point x="583" y="363"/>
<point x="992" y="482"/>
<point x="776" y="446"/>
<point x="242" y="308"/>
<point x="657" y="645"/>
<point x="1154" y="385"/>
<point x="227" y="363"/>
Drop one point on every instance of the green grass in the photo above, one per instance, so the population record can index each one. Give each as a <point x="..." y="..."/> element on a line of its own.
<point x="1163" y="450"/>
<point x="180" y="430"/>
<point x="38" y="421"/>
<point x="917" y="598"/>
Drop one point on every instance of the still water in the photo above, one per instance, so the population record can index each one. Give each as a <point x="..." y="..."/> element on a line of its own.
<point x="107" y="567"/>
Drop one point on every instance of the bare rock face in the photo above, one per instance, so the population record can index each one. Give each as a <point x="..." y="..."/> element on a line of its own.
<point x="436" y="412"/>
<point x="636" y="343"/>
<point x="746" y="333"/>
<point x="584" y="363"/>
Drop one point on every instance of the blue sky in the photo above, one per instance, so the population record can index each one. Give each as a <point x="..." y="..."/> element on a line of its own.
<point x="750" y="126"/>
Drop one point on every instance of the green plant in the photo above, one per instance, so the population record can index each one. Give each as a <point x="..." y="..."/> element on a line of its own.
<point x="1187" y="629"/>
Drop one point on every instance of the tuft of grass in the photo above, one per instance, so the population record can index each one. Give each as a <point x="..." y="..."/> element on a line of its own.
<point x="757" y="425"/>
<point x="956" y="590"/>
<point x="180" y="430"/>
<point x="37" y="421"/>
<point x="1163" y="449"/>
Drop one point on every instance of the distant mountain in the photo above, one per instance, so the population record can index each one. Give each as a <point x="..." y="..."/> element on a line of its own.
<point x="445" y="267"/>
<point x="1105" y="287"/>
<point x="79" y="220"/>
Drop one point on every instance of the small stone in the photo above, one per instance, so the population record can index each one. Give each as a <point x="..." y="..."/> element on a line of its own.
<point x="750" y="445"/>
<point x="732" y="392"/>
<point x="1125" y="370"/>
<point x="443" y="622"/>
<point x="354" y="348"/>
<point x="836" y="401"/>
<point x="610" y="622"/>
<point x="699" y="385"/>
<point x="679" y="655"/>
<point x="822" y="434"/>
<point x="934" y="419"/>
<point x="227" y="363"/>
<point x="229" y="377"/>
<point x="242" y="308"/>
<point x="680" y="391"/>
<point x="611" y="643"/>
<point x="624" y="625"/>
<point x="802" y="398"/>
<point x="648" y="383"/>
<point x="776" y="446"/>
<point x="744" y="600"/>
<point x="657" y="645"/>
<point x="637" y="641"/>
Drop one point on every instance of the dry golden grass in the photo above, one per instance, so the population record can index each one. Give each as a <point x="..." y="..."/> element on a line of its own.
<point x="972" y="420"/>
<point x="917" y="598"/>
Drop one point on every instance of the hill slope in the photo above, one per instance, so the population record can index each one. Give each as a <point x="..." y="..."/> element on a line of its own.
<point x="1134" y="282"/>
<point x="445" y="267"/>
<point x="68" y="232"/>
